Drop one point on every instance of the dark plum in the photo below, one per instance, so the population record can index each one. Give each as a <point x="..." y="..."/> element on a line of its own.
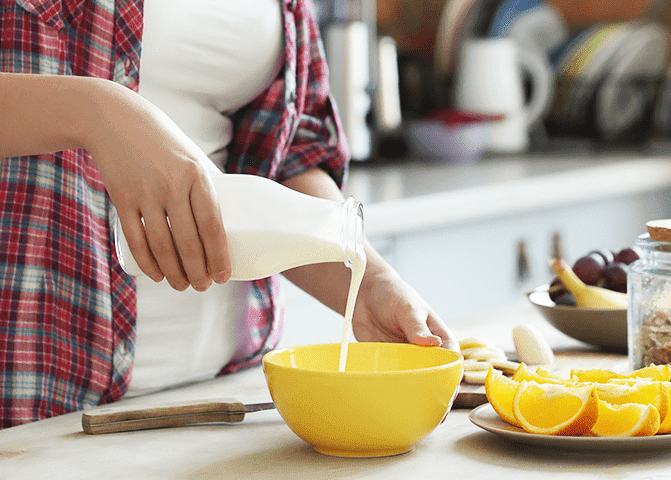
<point x="627" y="256"/>
<point x="607" y="255"/>
<point x="615" y="275"/>
<point x="566" y="299"/>
<point x="589" y="268"/>
<point x="556" y="289"/>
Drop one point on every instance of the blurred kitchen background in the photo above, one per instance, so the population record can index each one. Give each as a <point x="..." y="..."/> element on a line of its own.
<point x="490" y="135"/>
<point x="607" y="65"/>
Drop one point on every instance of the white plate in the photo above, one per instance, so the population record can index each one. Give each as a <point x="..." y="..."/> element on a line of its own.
<point x="486" y="418"/>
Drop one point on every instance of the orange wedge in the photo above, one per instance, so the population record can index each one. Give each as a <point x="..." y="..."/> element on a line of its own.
<point x="541" y="372"/>
<point x="524" y="373"/>
<point x="595" y="375"/>
<point x="642" y="392"/>
<point x="553" y="409"/>
<point x="626" y="420"/>
<point x="500" y="391"/>
<point x="665" y="423"/>
<point x="661" y="373"/>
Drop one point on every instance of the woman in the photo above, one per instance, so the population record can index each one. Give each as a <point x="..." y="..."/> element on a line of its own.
<point x="68" y="311"/>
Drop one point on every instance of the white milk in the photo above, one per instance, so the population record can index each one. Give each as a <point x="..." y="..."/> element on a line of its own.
<point x="358" y="268"/>
<point x="271" y="228"/>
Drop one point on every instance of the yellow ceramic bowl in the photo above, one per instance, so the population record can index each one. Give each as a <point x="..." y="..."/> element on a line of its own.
<point x="389" y="398"/>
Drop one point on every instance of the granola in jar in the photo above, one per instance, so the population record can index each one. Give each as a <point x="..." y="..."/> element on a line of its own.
<point x="654" y="338"/>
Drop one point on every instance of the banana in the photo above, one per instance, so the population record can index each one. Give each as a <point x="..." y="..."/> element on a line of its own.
<point x="587" y="295"/>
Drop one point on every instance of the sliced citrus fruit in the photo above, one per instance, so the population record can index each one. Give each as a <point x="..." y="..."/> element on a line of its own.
<point x="593" y="375"/>
<point x="524" y="373"/>
<point x="500" y="391"/>
<point x="629" y="381"/>
<point x="541" y="372"/>
<point x="553" y="409"/>
<point x="665" y="423"/>
<point x="641" y="392"/>
<point x="626" y="420"/>
<point x="655" y="372"/>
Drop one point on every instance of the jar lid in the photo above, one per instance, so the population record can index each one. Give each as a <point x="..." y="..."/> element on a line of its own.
<point x="659" y="230"/>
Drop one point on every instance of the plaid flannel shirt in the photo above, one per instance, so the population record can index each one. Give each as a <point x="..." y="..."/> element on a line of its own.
<point x="67" y="310"/>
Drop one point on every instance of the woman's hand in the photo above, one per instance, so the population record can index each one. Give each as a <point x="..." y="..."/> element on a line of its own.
<point x="157" y="178"/>
<point x="160" y="184"/>
<point x="388" y="309"/>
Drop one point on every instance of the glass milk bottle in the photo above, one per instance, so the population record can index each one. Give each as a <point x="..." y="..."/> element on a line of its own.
<point x="271" y="228"/>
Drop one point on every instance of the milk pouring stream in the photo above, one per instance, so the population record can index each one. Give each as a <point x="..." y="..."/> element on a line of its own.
<point x="271" y="228"/>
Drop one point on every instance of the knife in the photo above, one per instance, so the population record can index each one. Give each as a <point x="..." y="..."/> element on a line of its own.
<point x="110" y="419"/>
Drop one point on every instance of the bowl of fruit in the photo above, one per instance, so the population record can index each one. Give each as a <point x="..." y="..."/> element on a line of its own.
<point x="588" y="301"/>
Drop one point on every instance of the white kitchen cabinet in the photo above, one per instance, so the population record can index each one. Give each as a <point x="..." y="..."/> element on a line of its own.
<point x="453" y="232"/>
<point x="465" y="268"/>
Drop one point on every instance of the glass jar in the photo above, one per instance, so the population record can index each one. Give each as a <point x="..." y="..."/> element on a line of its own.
<point x="649" y="309"/>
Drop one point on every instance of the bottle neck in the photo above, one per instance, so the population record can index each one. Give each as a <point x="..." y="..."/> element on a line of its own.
<point x="351" y="236"/>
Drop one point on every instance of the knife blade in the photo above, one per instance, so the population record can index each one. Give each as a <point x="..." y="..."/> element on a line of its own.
<point x="111" y="419"/>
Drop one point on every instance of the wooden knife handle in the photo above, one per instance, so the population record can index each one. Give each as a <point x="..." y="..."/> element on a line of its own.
<point x="109" y="419"/>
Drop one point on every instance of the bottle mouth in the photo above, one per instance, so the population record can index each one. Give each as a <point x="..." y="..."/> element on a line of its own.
<point x="352" y="237"/>
<point x="115" y="231"/>
<point x="121" y="247"/>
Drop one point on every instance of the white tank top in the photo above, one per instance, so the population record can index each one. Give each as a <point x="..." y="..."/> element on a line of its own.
<point x="201" y="61"/>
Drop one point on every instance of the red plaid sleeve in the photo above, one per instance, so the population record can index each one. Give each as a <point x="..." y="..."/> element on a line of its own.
<point x="294" y="125"/>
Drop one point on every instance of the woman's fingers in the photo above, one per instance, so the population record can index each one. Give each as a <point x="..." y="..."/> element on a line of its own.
<point x="133" y="230"/>
<point x="189" y="248"/>
<point x="416" y="329"/>
<point x="438" y="327"/>
<point x="432" y="332"/>
<point x="199" y="238"/>
<point x="212" y="234"/>
<point x="163" y="248"/>
<point x="185" y="242"/>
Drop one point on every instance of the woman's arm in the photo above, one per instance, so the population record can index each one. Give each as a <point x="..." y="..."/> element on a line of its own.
<point x="156" y="177"/>
<point x="387" y="308"/>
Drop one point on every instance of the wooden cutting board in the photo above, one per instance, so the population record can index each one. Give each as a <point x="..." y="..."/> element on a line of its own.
<point x="470" y="396"/>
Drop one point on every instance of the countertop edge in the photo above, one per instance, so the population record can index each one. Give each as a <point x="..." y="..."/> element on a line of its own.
<point x="458" y="206"/>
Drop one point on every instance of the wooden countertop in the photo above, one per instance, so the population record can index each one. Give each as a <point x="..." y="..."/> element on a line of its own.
<point x="263" y="447"/>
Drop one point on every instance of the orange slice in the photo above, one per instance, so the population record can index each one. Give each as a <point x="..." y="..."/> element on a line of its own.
<point x="595" y="375"/>
<point x="500" y="391"/>
<point x="524" y="373"/>
<point x="553" y="409"/>
<point x="642" y="392"/>
<point x="541" y="372"/>
<point x="665" y="423"/>
<point x="626" y="420"/>
<point x="661" y="373"/>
